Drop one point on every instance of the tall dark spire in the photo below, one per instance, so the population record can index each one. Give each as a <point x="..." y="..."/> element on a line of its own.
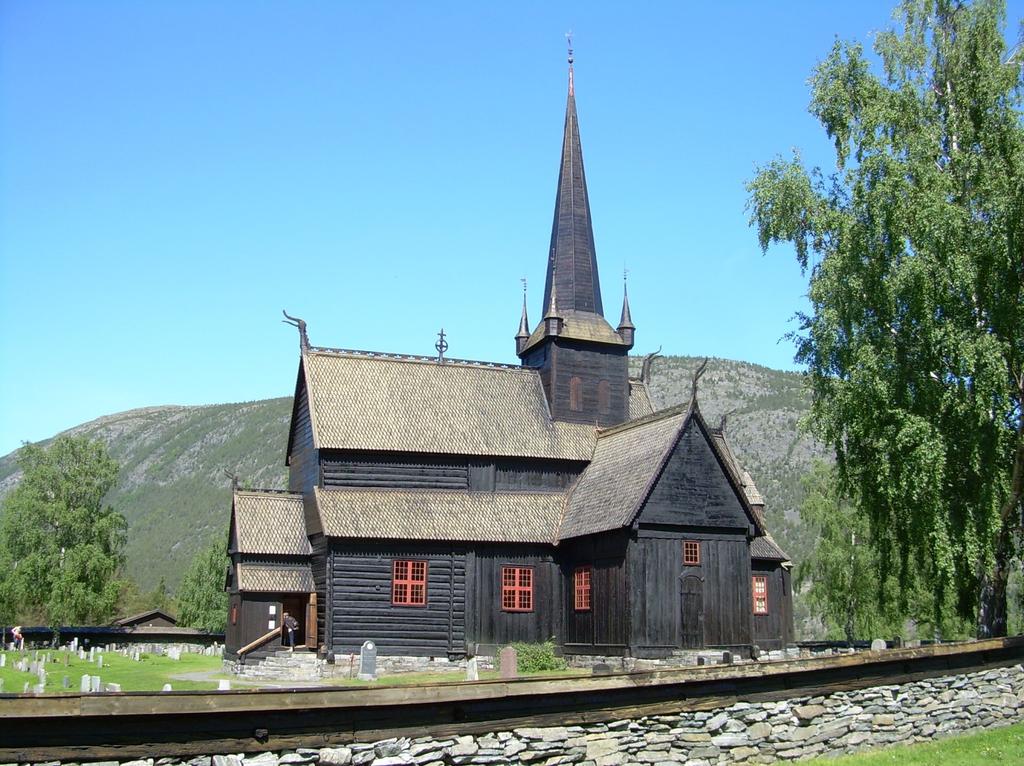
<point x="524" y="325"/>
<point x="572" y="255"/>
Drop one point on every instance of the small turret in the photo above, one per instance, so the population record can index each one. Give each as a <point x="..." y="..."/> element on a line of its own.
<point x="553" y="321"/>
<point x="524" y="326"/>
<point x="626" y="328"/>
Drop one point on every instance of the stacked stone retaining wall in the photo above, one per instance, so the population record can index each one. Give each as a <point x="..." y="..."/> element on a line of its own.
<point x="752" y="733"/>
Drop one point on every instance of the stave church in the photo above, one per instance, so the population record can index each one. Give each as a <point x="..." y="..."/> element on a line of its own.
<point x="445" y="508"/>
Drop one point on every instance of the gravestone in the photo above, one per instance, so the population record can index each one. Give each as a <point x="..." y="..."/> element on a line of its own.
<point x="65" y="683"/>
<point x="99" y="661"/>
<point x="472" y="670"/>
<point x="601" y="669"/>
<point x="727" y="658"/>
<point x="509" y="662"/>
<point x="33" y="667"/>
<point x="113" y="687"/>
<point x="3" y="660"/>
<point x="39" y="688"/>
<point x="223" y="685"/>
<point x="368" y="661"/>
<point x="25" y="688"/>
<point x="897" y="642"/>
<point x="81" y="654"/>
<point x="92" y="654"/>
<point x="74" y="644"/>
<point x="86" y="685"/>
<point x="166" y="688"/>
<point x="95" y="685"/>
<point x="878" y="645"/>
<point x="702" y="660"/>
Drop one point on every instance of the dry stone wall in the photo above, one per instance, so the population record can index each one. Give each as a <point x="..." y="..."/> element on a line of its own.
<point x="751" y="733"/>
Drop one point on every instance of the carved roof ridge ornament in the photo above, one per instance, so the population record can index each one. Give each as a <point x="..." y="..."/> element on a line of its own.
<point x="233" y="477"/>
<point x="441" y="346"/>
<point x="645" y="369"/>
<point x="301" y="325"/>
<point x="698" y="373"/>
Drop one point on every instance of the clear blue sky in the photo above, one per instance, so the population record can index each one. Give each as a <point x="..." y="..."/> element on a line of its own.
<point x="173" y="174"/>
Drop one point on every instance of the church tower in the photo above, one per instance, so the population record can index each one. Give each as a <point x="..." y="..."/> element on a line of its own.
<point x="581" y="358"/>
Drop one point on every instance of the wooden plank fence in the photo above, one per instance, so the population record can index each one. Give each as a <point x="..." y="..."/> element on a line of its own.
<point x="126" y="725"/>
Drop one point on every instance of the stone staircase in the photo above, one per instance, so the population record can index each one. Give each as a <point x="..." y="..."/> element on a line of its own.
<point x="284" y="666"/>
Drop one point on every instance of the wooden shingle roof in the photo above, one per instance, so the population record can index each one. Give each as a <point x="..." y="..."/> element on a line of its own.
<point x="515" y="517"/>
<point x="367" y="402"/>
<point x="627" y="461"/>
<point x="640" y="404"/>
<point x="274" y="578"/>
<point x="268" y="522"/>
<point x="765" y="548"/>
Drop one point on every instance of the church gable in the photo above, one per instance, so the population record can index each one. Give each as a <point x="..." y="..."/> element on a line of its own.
<point x="694" y="489"/>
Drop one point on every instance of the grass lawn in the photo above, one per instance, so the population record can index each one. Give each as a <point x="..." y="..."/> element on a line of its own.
<point x="150" y="674"/>
<point x="1004" y="745"/>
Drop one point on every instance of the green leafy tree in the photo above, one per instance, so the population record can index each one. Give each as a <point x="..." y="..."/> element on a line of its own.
<point x="915" y="340"/>
<point x="202" y="601"/>
<point x="61" y="547"/>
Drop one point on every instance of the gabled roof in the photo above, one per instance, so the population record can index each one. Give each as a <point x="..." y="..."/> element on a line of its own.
<point x="269" y="522"/>
<point x="365" y="401"/>
<point x="144" y="616"/>
<point x="627" y="461"/>
<point x="274" y="578"/>
<point x="640" y="404"/>
<point x="765" y="548"/>
<point x="515" y="517"/>
<point x="737" y="473"/>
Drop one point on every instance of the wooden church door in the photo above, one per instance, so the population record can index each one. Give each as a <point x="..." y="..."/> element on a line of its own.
<point x="691" y="597"/>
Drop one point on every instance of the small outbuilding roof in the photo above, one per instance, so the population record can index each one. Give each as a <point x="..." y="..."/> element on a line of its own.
<point x="515" y="517"/>
<point x="765" y="548"/>
<point x="269" y="522"/>
<point x="274" y="578"/>
<point x="141" y="617"/>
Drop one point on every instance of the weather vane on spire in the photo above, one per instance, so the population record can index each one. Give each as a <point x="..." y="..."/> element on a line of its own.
<point x="568" y="37"/>
<point x="523" y="280"/>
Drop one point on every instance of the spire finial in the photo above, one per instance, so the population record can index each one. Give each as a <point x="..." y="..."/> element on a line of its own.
<point x="524" y="324"/>
<point x="568" y="37"/>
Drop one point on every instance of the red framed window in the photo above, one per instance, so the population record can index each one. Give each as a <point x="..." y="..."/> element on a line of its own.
<point x="760" y="595"/>
<point x="517" y="589"/>
<point x="691" y="553"/>
<point x="409" y="583"/>
<point x="581" y="588"/>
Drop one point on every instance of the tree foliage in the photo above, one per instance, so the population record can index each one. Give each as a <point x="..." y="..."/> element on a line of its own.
<point x="60" y="546"/>
<point x="202" y="601"/>
<point x="915" y="247"/>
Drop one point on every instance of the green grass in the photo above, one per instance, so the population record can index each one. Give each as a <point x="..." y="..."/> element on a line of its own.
<point x="1003" y="745"/>
<point x="149" y="674"/>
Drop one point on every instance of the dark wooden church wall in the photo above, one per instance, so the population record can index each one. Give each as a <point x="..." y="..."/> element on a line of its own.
<point x="772" y="630"/>
<point x="603" y="629"/>
<point x="727" y="595"/>
<point x="655" y="566"/>
<point x="448" y="472"/>
<point x="360" y="577"/>
<point x="254" y="621"/>
<point x="591" y="363"/>
<point x="394" y="471"/>
<point x="318" y="565"/>
<point x="303" y="468"/>
<point x="694" y="490"/>
<point x="493" y="627"/>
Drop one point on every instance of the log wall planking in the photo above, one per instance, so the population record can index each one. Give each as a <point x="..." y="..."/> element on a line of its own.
<point x="604" y="628"/>
<point x="771" y="631"/>
<point x="560" y="360"/>
<point x="361" y="608"/>
<point x="491" y="626"/>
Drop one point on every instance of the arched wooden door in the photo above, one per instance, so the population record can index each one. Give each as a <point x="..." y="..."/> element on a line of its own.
<point x="691" y="598"/>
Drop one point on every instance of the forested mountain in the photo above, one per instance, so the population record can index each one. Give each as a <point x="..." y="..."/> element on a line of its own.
<point x="176" y="497"/>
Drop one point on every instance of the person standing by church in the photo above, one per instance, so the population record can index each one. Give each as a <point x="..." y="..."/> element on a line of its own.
<point x="290" y="626"/>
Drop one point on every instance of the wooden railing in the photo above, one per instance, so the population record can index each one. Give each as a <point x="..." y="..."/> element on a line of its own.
<point x="259" y="641"/>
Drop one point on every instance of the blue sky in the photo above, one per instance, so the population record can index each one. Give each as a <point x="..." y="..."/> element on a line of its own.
<point x="173" y="174"/>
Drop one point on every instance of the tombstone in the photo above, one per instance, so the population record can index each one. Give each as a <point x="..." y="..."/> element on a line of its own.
<point x="601" y="669"/>
<point x="897" y="642"/>
<point x="33" y="667"/>
<point x="95" y="684"/>
<point x="702" y="660"/>
<point x="24" y="689"/>
<point x="99" y="661"/>
<point x="3" y="660"/>
<point x="81" y="653"/>
<point x="878" y="645"/>
<point x="92" y="654"/>
<point x="86" y="684"/>
<point x="39" y="688"/>
<point x="166" y="688"/>
<point x="113" y="687"/>
<point x="472" y="670"/>
<point x="509" y="662"/>
<point x="368" y="661"/>
<point x="224" y="685"/>
<point x="74" y="644"/>
<point x="755" y="652"/>
<point x="65" y="683"/>
<point x="727" y="658"/>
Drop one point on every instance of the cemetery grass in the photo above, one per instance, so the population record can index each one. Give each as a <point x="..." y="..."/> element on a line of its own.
<point x="1002" y="745"/>
<point x="149" y="674"/>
